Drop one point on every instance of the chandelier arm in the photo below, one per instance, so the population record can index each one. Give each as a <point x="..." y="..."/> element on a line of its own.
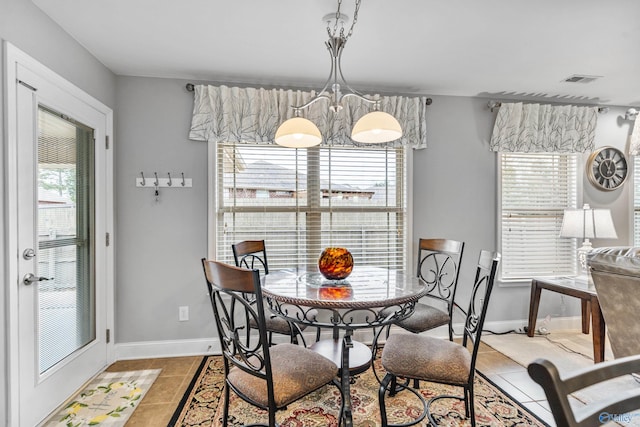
<point x="361" y="97"/>
<point x="332" y="81"/>
<point x="311" y="102"/>
<point x="346" y="84"/>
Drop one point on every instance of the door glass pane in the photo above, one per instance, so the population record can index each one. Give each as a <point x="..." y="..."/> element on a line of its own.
<point x="66" y="312"/>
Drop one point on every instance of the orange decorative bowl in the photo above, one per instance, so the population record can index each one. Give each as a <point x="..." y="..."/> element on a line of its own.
<point x="335" y="263"/>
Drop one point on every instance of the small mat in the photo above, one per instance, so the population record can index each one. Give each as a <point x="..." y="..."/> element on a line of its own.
<point x="202" y="404"/>
<point x="109" y="399"/>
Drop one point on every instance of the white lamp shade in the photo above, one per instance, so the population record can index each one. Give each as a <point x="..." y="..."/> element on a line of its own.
<point x="588" y="223"/>
<point x="298" y="132"/>
<point x="376" y="127"/>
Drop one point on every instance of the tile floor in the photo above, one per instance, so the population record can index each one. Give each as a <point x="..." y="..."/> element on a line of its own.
<point x="514" y="380"/>
<point x="161" y="400"/>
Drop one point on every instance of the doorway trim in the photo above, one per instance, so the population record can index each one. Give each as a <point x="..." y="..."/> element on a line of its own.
<point x="13" y="57"/>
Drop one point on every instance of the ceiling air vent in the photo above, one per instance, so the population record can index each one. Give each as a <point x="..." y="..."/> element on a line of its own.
<point x="580" y="78"/>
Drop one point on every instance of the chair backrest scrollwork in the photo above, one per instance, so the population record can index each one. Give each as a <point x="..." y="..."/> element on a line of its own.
<point x="235" y="315"/>
<point x="439" y="268"/>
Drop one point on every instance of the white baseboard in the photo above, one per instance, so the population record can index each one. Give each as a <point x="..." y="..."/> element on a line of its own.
<point x="202" y="346"/>
<point x="170" y="348"/>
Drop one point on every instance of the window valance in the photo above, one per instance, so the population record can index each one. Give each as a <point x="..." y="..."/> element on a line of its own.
<point x="536" y="128"/>
<point x="232" y="114"/>
<point x="634" y="144"/>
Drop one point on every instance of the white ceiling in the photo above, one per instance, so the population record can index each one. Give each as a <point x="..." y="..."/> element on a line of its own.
<point x="521" y="49"/>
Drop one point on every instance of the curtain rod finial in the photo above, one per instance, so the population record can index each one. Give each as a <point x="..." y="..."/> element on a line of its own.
<point x="631" y="114"/>
<point x="190" y="87"/>
<point x="493" y="105"/>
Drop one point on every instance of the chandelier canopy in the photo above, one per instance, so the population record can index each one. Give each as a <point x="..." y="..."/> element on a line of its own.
<point x="374" y="127"/>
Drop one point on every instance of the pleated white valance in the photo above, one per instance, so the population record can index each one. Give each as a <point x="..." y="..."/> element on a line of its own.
<point x="232" y="114"/>
<point x="535" y="128"/>
<point x="634" y="144"/>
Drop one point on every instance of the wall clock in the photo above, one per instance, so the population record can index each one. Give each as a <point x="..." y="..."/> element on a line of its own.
<point x="607" y="168"/>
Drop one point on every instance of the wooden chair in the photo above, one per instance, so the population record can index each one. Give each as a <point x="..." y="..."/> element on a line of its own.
<point x="612" y="407"/>
<point x="269" y="377"/>
<point x="252" y="254"/>
<point x="424" y="358"/>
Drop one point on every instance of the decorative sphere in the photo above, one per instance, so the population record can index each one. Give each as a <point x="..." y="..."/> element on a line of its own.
<point x="335" y="263"/>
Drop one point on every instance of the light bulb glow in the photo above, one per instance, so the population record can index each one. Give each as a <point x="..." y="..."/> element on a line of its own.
<point x="298" y="132"/>
<point x="376" y="127"/>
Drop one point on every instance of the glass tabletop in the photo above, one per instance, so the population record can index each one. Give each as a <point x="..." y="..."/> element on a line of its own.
<point x="570" y="282"/>
<point x="365" y="287"/>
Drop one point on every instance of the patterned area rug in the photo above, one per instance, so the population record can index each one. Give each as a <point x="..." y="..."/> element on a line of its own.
<point x="202" y="405"/>
<point x="108" y="400"/>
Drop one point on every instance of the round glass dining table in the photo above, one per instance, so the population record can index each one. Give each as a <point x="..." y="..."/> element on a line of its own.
<point x="343" y="306"/>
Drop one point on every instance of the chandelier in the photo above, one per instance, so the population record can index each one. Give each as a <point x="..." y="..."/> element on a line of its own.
<point x="374" y="127"/>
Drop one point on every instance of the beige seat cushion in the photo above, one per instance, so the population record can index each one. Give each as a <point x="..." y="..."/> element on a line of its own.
<point x="424" y="318"/>
<point x="426" y="358"/>
<point x="279" y="325"/>
<point x="297" y="371"/>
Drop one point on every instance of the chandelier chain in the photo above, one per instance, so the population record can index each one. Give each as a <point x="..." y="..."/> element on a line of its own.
<point x="338" y="18"/>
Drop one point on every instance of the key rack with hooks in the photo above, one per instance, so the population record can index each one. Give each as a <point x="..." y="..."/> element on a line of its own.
<point x="168" y="180"/>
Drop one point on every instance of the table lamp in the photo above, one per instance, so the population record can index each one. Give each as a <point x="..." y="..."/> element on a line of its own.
<point x="587" y="223"/>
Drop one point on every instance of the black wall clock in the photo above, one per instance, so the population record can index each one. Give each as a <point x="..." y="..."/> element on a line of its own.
<point x="607" y="168"/>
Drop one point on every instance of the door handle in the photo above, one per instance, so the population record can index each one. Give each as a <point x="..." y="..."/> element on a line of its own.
<point x="30" y="278"/>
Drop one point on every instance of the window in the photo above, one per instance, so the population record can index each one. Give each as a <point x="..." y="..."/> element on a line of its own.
<point x="535" y="188"/>
<point x="636" y="200"/>
<point x="301" y="201"/>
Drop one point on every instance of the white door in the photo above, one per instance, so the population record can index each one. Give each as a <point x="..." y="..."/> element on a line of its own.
<point x="61" y="237"/>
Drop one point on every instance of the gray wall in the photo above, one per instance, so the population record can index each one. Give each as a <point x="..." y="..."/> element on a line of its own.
<point x="160" y="244"/>
<point x="25" y="26"/>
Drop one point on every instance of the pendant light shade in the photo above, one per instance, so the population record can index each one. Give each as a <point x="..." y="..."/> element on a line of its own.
<point x="298" y="132"/>
<point x="376" y="127"/>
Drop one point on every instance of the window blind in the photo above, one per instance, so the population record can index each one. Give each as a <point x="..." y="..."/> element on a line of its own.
<point x="636" y="200"/>
<point x="535" y="190"/>
<point x="301" y="201"/>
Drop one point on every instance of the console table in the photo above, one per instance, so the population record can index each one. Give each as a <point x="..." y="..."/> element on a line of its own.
<point x="578" y="288"/>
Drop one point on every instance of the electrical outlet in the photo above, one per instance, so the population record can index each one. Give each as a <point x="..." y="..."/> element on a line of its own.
<point x="183" y="313"/>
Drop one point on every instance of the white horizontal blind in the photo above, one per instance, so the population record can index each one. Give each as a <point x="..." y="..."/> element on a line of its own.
<point x="636" y="200"/>
<point x="301" y="201"/>
<point x="535" y="190"/>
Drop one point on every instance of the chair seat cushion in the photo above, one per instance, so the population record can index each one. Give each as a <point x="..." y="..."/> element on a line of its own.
<point x="424" y="318"/>
<point x="276" y="324"/>
<point x="426" y="358"/>
<point x="297" y="371"/>
<point x="279" y="325"/>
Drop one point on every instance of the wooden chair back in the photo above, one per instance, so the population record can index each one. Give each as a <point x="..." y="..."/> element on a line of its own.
<point x="251" y="254"/>
<point x="615" y="407"/>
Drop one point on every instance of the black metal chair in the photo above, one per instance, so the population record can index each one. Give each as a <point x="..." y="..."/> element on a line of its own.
<point x="252" y="254"/>
<point x="439" y="267"/>
<point x="613" y="407"/>
<point x="424" y="358"/>
<point x="269" y="377"/>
